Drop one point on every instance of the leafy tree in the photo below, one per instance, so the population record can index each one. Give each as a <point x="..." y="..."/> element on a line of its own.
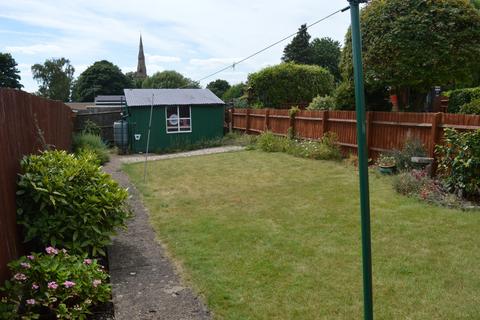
<point x="289" y="83"/>
<point x="412" y="45"/>
<point x="169" y="79"/>
<point x="9" y="74"/>
<point x="234" y="92"/>
<point x="55" y="77"/>
<point x="299" y="49"/>
<point x="326" y="53"/>
<point x="134" y="79"/>
<point x="219" y="87"/>
<point x="103" y="77"/>
<point x="475" y="3"/>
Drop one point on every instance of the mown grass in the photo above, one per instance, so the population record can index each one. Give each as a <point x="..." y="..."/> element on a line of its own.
<point x="271" y="236"/>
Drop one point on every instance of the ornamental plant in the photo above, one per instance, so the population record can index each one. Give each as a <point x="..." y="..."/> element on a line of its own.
<point x="67" y="201"/>
<point x="459" y="162"/>
<point x="53" y="283"/>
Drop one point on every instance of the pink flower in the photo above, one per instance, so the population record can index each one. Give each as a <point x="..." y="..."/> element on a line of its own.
<point x="25" y="265"/>
<point x="87" y="261"/>
<point x="30" y="257"/>
<point x="68" y="284"/>
<point x="20" y="276"/>
<point x="52" y="285"/>
<point x="35" y="286"/>
<point x="96" y="283"/>
<point x="51" y="250"/>
<point x="31" y="301"/>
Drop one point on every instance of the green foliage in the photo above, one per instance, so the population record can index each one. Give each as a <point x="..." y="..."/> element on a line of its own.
<point x="55" y="77"/>
<point x="235" y="91"/>
<point x="412" y="45"/>
<point x="90" y="142"/>
<point x="385" y="160"/>
<point x="134" y="79"/>
<point x="460" y="97"/>
<point x="289" y="83"/>
<point x="459" y="162"/>
<point x="299" y="49"/>
<point x="411" y="148"/>
<point x="269" y="142"/>
<point x="91" y="127"/>
<point x="9" y="74"/>
<point x="324" y="149"/>
<point x="101" y="78"/>
<point x="219" y="87"/>
<point x="471" y="108"/>
<point x="67" y="201"/>
<point x="326" y="53"/>
<point x="322" y="103"/>
<point x="169" y="79"/>
<point x="66" y="286"/>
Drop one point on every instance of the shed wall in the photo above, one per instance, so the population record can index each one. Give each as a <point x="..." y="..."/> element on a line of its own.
<point x="207" y="123"/>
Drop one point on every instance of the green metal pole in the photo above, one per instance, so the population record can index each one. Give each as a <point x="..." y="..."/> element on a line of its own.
<point x="362" y="159"/>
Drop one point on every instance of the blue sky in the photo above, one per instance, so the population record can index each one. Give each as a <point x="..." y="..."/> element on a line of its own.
<point x="195" y="38"/>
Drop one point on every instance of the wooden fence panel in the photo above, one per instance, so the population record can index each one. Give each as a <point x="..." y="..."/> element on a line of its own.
<point x="22" y="116"/>
<point x="386" y="131"/>
<point x="257" y="120"/>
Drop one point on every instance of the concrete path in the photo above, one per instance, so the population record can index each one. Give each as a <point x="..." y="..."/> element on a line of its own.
<point x="152" y="157"/>
<point x="145" y="284"/>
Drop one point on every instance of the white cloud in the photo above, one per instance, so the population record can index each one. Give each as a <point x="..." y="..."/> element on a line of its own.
<point x="151" y="58"/>
<point x="35" y="49"/>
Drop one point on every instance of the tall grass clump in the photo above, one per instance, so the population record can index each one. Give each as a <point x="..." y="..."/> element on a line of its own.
<point x="93" y="143"/>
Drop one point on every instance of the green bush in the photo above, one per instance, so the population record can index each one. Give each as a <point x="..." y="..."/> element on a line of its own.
<point x="289" y="83"/>
<point x="55" y="285"/>
<point x="462" y="96"/>
<point x="322" y="103"/>
<point x="67" y="201"/>
<point x="459" y="162"/>
<point x="403" y="158"/>
<point x="92" y="128"/>
<point x="269" y="142"/>
<point x="91" y="142"/>
<point x="323" y="149"/>
<point x="471" y="108"/>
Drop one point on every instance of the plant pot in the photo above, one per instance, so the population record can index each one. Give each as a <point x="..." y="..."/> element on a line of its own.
<point x="387" y="169"/>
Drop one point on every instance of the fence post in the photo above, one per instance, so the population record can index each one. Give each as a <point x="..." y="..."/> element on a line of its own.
<point x="267" y="120"/>
<point x="369" y="131"/>
<point x="291" y="129"/>
<point x="324" y="122"/>
<point x="247" y="120"/>
<point x="436" y="120"/>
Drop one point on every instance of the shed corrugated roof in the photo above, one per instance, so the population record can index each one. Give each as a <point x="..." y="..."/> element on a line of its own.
<point x="167" y="97"/>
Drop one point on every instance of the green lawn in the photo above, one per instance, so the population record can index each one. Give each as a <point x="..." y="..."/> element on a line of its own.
<point x="271" y="236"/>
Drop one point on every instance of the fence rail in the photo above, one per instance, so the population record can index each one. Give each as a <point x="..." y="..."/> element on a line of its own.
<point x="26" y="121"/>
<point x="385" y="130"/>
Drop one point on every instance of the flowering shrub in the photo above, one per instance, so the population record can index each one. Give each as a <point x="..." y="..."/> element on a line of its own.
<point x="68" y="201"/>
<point x="459" y="162"/>
<point x="54" y="283"/>
<point x="324" y="149"/>
<point x="417" y="184"/>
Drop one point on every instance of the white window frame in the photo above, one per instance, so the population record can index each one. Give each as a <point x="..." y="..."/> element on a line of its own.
<point x="179" y="120"/>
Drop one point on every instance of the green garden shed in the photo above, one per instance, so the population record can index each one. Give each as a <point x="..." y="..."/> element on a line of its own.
<point x="180" y="117"/>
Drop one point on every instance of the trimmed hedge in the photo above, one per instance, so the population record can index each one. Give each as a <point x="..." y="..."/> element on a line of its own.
<point x="460" y="97"/>
<point x="289" y="83"/>
<point x="471" y="108"/>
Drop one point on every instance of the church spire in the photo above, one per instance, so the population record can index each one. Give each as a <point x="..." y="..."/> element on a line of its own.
<point x="141" y="68"/>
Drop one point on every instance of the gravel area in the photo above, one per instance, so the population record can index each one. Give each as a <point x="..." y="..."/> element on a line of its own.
<point x="145" y="284"/>
<point x="153" y="157"/>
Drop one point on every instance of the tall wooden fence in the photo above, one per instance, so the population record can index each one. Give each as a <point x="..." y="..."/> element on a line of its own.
<point x="22" y="117"/>
<point x="385" y="130"/>
<point x="103" y="117"/>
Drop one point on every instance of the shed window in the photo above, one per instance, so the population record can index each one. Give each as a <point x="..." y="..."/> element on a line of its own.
<point x="179" y="119"/>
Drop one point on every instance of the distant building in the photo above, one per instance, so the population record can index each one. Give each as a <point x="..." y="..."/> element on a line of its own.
<point x="109" y="101"/>
<point x="141" y="67"/>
